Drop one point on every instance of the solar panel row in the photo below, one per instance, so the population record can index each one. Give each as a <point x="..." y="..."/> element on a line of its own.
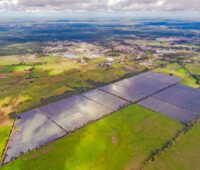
<point x="141" y="86"/>
<point x="168" y="109"/>
<point x="105" y="99"/>
<point x="159" y="77"/>
<point x="124" y="93"/>
<point x="74" y="112"/>
<point x="181" y="96"/>
<point x="32" y="129"/>
<point x="178" y="102"/>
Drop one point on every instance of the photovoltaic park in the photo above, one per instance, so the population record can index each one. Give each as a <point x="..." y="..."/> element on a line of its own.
<point x="157" y="92"/>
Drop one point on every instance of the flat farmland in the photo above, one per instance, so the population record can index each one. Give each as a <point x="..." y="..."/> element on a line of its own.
<point x="193" y="68"/>
<point x="184" y="155"/>
<point x="26" y="85"/>
<point x="122" y="140"/>
<point x="4" y="133"/>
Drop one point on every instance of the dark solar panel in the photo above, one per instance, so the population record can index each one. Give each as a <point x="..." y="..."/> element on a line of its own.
<point x="161" y="77"/>
<point x="181" y="96"/>
<point x="168" y="109"/>
<point x="142" y="85"/>
<point x="32" y="130"/>
<point x="124" y="93"/>
<point x="110" y="101"/>
<point x="74" y="112"/>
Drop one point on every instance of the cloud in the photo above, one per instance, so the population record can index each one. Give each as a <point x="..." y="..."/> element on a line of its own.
<point x="99" y="5"/>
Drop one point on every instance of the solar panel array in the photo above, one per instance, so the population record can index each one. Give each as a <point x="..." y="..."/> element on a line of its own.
<point x="105" y="99"/>
<point x="74" y="112"/>
<point x="141" y="86"/>
<point x="31" y="130"/>
<point x="168" y="109"/>
<point x="179" y="102"/>
<point x="160" y="77"/>
<point x="181" y="96"/>
<point x="48" y="123"/>
<point x="122" y="92"/>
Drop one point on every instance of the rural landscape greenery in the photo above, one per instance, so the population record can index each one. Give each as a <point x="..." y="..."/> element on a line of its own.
<point x="44" y="61"/>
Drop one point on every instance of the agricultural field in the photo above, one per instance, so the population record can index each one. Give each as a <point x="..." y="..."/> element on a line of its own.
<point x="101" y="145"/>
<point x="179" y="71"/>
<point x="193" y="68"/>
<point x="184" y="155"/>
<point x="30" y="81"/>
<point x="19" y="48"/>
<point x="25" y="85"/>
<point x="4" y="132"/>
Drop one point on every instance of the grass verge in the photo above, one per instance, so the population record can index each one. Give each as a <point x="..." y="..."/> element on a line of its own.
<point x="4" y="133"/>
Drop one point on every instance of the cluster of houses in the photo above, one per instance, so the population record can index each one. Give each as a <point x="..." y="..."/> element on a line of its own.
<point x="145" y="53"/>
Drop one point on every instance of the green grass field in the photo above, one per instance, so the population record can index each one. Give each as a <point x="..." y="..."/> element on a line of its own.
<point x="19" y="48"/>
<point x="18" y="68"/>
<point x="4" y="132"/>
<point x="178" y="71"/>
<point x="122" y="140"/>
<point x="182" y="156"/>
<point x="25" y="85"/>
<point x="193" y="68"/>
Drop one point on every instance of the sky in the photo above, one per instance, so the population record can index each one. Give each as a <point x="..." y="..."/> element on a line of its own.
<point x="106" y="7"/>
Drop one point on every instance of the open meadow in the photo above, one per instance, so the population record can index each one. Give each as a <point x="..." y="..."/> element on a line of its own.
<point x="194" y="68"/>
<point x="184" y="155"/>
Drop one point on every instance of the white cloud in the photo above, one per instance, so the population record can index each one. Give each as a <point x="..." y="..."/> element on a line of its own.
<point x="160" y="3"/>
<point x="111" y="3"/>
<point x="100" y="5"/>
<point x="8" y="2"/>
